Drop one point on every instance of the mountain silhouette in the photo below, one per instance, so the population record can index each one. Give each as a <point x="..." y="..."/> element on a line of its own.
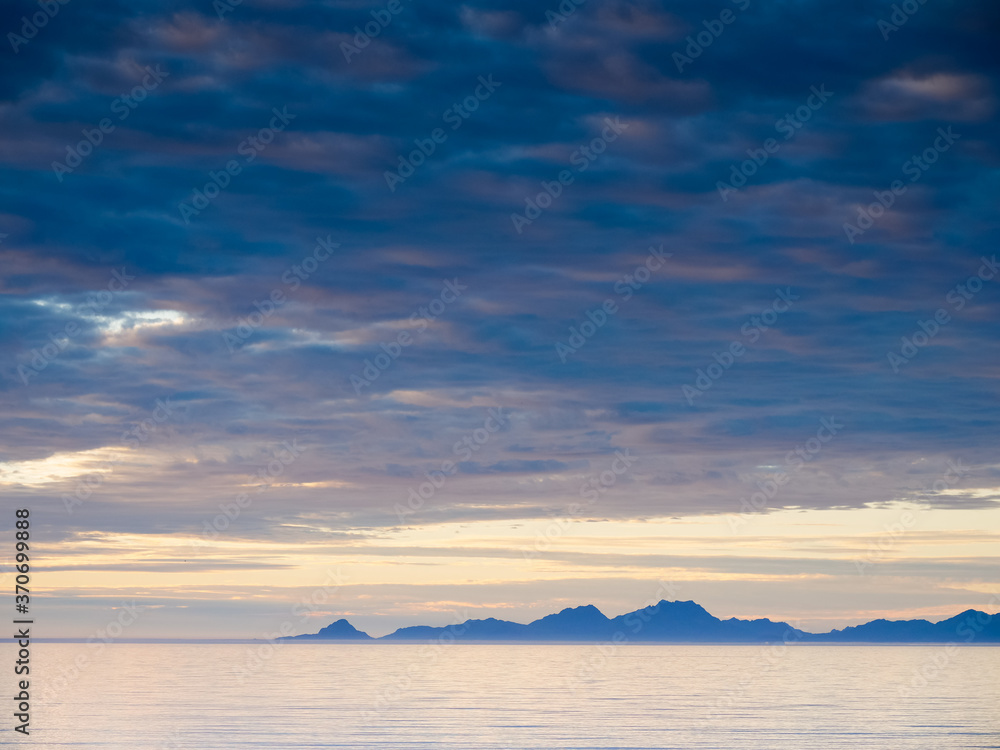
<point x="971" y="626"/>
<point x="341" y="630"/>
<point x="677" y="622"/>
<point x="490" y="629"/>
<point x="691" y="623"/>
<point x="572" y="624"/>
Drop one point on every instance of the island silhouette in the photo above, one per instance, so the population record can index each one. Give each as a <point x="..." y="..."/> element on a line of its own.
<point x="674" y="622"/>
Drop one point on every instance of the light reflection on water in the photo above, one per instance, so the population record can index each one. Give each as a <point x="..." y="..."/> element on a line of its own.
<point x="167" y="696"/>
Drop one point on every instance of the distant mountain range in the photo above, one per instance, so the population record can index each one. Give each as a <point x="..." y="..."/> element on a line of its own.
<point x="677" y="622"/>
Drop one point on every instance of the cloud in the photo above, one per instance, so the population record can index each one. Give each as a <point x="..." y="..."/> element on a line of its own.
<point x="164" y="336"/>
<point x="910" y="95"/>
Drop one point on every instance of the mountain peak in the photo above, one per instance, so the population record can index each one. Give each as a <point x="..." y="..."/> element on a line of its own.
<point x="583" y="610"/>
<point x="341" y="630"/>
<point x="571" y="623"/>
<point x="683" y="609"/>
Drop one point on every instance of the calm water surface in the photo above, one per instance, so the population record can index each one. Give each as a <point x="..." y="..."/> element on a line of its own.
<point x="146" y="697"/>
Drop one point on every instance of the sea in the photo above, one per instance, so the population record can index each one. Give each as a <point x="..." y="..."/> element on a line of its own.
<point x="496" y="696"/>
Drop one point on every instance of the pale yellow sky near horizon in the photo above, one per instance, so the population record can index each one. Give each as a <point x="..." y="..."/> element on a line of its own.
<point x="477" y="568"/>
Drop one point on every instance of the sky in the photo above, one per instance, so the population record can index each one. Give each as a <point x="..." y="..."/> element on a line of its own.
<point x="416" y="311"/>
